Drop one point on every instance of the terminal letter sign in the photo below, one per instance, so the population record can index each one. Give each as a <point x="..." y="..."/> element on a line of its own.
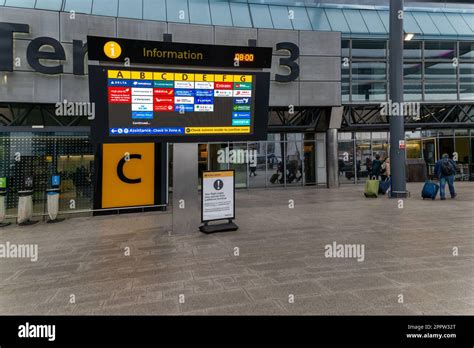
<point x="218" y="195"/>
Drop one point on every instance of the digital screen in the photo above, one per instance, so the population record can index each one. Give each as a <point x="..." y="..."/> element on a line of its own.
<point x="189" y="105"/>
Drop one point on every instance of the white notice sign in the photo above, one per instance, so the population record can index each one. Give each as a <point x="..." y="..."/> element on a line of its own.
<point x="217" y="195"/>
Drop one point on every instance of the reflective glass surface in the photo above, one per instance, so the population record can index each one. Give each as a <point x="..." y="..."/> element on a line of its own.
<point x="369" y="91"/>
<point x="21" y="3"/>
<point x="412" y="71"/>
<point x="300" y="18"/>
<point x="369" y="71"/>
<point x="80" y="6"/>
<point x="240" y="15"/>
<point x="199" y="12"/>
<point x="130" y="9"/>
<point x="49" y="4"/>
<point x="261" y="16"/>
<point x="105" y="7"/>
<point x="177" y="11"/>
<point x="426" y="24"/>
<point x="373" y="22"/>
<point x="281" y="17"/>
<point x="355" y="21"/>
<point x="439" y="50"/>
<point x="154" y="10"/>
<point x="318" y="18"/>
<point x="441" y="91"/>
<point x="368" y="49"/>
<point x="220" y="13"/>
<point x="337" y="20"/>
<point x="466" y="50"/>
<point x="440" y="71"/>
<point x="412" y="49"/>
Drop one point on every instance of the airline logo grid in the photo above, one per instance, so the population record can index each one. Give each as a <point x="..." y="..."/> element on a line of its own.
<point x="150" y="92"/>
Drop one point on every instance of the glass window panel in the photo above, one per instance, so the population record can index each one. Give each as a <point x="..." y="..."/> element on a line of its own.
<point x="49" y="4"/>
<point x="300" y="18"/>
<point x="364" y="159"/>
<point x="442" y="23"/>
<point x="439" y="71"/>
<point x="442" y="91"/>
<point x="345" y="48"/>
<point x="439" y="50"/>
<point x="346" y="160"/>
<point x="355" y="21"/>
<point x="199" y="12"/>
<point x="369" y="71"/>
<point x="462" y="148"/>
<point x="220" y="13"/>
<point x="309" y="150"/>
<point x="215" y="156"/>
<point x="369" y="91"/>
<point x="257" y="164"/>
<point x="240" y="15"/>
<point x="413" y="148"/>
<point x="318" y="18"/>
<point x="2" y="2"/>
<point x="412" y="91"/>
<point x="466" y="91"/>
<point x="410" y="25"/>
<point x="466" y="50"/>
<point x="466" y="71"/>
<point x="21" y="3"/>
<point x="79" y="6"/>
<point x="345" y="93"/>
<point x="261" y="16"/>
<point x="177" y="11"/>
<point x="294" y="162"/>
<point x="412" y="49"/>
<point x="280" y="17"/>
<point x="154" y="10"/>
<point x="425" y="23"/>
<point x="458" y="23"/>
<point x="469" y="18"/>
<point x="337" y="20"/>
<point x="373" y="21"/>
<point x="275" y="168"/>
<point x="385" y="17"/>
<point x="368" y="49"/>
<point x="240" y="168"/>
<point x="105" y="7"/>
<point x="412" y="71"/>
<point x="130" y="9"/>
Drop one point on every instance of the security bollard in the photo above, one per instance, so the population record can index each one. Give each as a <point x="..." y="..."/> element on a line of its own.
<point x="53" y="199"/>
<point x="25" y="204"/>
<point x="3" y="197"/>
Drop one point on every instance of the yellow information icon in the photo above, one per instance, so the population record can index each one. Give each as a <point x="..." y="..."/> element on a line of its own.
<point x="112" y="49"/>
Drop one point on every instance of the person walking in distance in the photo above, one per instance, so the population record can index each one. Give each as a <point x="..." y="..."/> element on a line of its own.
<point x="445" y="169"/>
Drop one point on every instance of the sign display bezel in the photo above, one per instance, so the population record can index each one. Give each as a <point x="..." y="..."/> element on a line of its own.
<point x="98" y="84"/>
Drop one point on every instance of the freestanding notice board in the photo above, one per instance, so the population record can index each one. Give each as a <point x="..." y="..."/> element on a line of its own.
<point x="160" y="92"/>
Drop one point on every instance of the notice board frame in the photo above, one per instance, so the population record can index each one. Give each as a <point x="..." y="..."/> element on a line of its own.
<point x="202" y="195"/>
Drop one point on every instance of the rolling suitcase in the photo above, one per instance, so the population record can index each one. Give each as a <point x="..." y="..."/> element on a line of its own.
<point x="430" y="190"/>
<point x="371" y="188"/>
<point x="274" y="178"/>
<point x="384" y="186"/>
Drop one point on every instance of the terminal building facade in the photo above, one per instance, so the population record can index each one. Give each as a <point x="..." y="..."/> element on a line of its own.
<point x="329" y="83"/>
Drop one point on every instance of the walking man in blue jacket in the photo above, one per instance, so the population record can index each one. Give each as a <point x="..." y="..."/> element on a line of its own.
<point x="445" y="169"/>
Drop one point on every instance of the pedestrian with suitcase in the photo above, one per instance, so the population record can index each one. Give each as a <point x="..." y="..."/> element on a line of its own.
<point x="445" y="170"/>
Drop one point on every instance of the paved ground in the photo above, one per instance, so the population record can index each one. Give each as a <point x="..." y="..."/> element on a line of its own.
<point x="408" y="252"/>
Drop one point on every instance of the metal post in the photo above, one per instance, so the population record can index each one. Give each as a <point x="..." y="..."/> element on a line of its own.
<point x="332" y="162"/>
<point x="397" y="122"/>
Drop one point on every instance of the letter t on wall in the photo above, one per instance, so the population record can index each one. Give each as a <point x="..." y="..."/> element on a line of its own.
<point x="6" y="43"/>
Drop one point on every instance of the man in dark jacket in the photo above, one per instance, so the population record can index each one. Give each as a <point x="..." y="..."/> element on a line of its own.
<point x="445" y="169"/>
<point x="376" y="167"/>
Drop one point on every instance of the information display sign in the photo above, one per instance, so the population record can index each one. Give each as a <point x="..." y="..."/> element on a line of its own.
<point x="178" y="105"/>
<point x="218" y="191"/>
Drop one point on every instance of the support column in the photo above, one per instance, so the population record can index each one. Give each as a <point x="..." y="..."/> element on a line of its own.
<point x="332" y="158"/>
<point x="186" y="205"/>
<point x="397" y="121"/>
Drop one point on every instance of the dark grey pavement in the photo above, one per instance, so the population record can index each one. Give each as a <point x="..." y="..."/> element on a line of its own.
<point x="410" y="262"/>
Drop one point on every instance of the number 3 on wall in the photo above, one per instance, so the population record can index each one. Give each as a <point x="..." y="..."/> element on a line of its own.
<point x="289" y="62"/>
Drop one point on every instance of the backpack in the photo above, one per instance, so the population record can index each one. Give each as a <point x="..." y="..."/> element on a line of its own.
<point x="446" y="168"/>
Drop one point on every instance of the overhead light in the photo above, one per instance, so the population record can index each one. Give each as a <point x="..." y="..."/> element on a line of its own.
<point x="409" y="36"/>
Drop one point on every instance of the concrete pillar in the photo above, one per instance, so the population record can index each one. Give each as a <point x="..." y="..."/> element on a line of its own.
<point x="332" y="158"/>
<point x="186" y="205"/>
